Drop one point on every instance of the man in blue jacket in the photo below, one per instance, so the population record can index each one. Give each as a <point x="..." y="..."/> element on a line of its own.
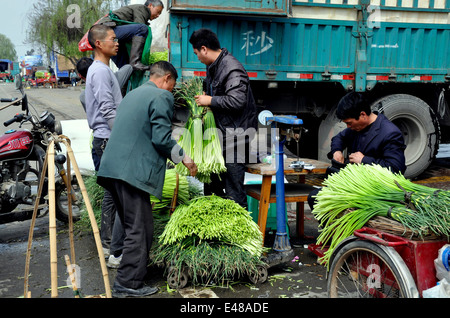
<point x="369" y="138"/>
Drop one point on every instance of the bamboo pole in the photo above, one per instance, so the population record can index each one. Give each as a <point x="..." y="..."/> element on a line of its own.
<point x="69" y="206"/>
<point x="92" y="219"/>
<point x="52" y="220"/>
<point x="26" y="293"/>
<point x="49" y="164"/>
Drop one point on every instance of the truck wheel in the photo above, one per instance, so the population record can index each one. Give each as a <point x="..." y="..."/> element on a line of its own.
<point x="419" y="126"/>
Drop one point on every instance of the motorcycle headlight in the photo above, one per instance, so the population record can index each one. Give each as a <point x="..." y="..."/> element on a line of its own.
<point x="48" y="120"/>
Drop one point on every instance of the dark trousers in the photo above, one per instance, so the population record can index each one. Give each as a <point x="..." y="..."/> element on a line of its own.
<point x="135" y="211"/>
<point x="111" y="229"/>
<point x="125" y="34"/>
<point x="312" y="201"/>
<point x="230" y="184"/>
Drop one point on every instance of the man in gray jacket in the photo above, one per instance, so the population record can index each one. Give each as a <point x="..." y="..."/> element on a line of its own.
<point x="102" y="97"/>
<point x="229" y="95"/>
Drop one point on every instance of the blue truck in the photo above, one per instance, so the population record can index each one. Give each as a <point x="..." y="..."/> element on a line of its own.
<point x="302" y="56"/>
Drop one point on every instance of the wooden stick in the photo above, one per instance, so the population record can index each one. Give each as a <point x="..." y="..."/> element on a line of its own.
<point x="12" y="103"/>
<point x="52" y="220"/>
<point x="173" y="202"/>
<point x="92" y="219"/>
<point x="26" y="293"/>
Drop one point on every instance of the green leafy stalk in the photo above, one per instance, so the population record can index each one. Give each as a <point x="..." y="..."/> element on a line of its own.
<point x="170" y="182"/>
<point x="214" y="218"/>
<point x="360" y="192"/>
<point x="207" y="261"/>
<point x="158" y="56"/>
<point x="200" y="139"/>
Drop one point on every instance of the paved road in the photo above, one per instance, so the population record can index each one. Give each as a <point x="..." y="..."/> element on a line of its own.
<point x="64" y="103"/>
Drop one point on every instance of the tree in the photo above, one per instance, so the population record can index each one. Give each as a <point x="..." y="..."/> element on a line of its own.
<point x="58" y="25"/>
<point x="7" y="49"/>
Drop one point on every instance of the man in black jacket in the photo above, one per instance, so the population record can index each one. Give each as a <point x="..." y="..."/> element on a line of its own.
<point x="229" y="95"/>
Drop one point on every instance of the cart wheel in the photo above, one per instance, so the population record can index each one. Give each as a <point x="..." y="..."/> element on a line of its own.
<point x="176" y="278"/>
<point x="259" y="276"/>
<point x="362" y="269"/>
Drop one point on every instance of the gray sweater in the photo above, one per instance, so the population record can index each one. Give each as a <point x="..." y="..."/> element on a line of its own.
<point x="103" y="96"/>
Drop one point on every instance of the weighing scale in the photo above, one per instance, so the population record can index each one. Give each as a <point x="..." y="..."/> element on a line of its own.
<point x="281" y="245"/>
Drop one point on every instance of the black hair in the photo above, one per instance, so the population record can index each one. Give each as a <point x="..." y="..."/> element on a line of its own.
<point x="162" y="68"/>
<point x="83" y="65"/>
<point x="205" y="37"/>
<point x="97" y="32"/>
<point x="351" y="106"/>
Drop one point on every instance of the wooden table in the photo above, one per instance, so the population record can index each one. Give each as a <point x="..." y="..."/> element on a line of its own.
<point x="294" y="192"/>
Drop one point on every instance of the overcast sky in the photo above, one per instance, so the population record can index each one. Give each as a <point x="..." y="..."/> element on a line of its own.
<point x="14" y="22"/>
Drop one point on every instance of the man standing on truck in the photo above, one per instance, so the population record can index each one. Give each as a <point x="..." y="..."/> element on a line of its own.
<point x="229" y="95"/>
<point x="133" y="27"/>
<point x="369" y="138"/>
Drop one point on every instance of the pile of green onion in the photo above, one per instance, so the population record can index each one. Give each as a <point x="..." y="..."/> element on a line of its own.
<point x="360" y="192"/>
<point x="207" y="262"/>
<point x="200" y="139"/>
<point x="214" y="218"/>
<point x="214" y="238"/>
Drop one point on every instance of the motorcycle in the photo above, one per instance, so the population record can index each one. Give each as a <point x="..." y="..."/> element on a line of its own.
<point x="22" y="155"/>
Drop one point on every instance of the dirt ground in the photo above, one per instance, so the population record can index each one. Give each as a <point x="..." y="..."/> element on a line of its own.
<point x="301" y="277"/>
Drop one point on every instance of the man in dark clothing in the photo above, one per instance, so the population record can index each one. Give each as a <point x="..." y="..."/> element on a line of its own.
<point x="135" y="32"/>
<point x="369" y="138"/>
<point x="229" y="95"/>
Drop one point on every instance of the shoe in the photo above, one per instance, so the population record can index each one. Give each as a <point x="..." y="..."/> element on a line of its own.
<point x="106" y="252"/>
<point x="119" y="291"/>
<point x="137" y="47"/>
<point x="114" y="262"/>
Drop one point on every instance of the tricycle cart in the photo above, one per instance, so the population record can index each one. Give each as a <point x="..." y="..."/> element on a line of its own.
<point x="376" y="264"/>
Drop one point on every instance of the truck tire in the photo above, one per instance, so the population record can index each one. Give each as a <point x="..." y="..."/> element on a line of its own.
<point x="419" y="126"/>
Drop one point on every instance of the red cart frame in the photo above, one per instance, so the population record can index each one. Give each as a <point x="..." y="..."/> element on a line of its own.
<point x="413" y="260"/>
